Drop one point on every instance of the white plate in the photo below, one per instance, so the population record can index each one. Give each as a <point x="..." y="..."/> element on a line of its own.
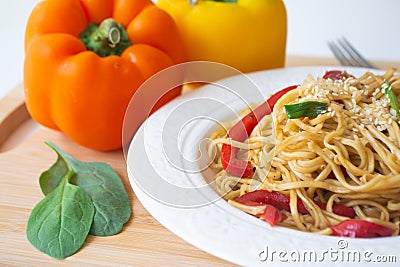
<point x="166" y="176"/>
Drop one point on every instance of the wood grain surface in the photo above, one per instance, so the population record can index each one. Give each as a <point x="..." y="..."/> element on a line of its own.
<point x="142" y="242"/>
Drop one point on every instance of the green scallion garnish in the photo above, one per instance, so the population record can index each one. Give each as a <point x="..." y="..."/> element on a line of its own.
<point x="393" y="101"/>
<point x="305" y="109"/>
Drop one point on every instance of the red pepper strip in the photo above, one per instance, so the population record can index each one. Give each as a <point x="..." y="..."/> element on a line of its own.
<point x="338" y="209"/>
<point x="281" y="201"/>
<point x="241" y="130"/>
<point x="336" y="75"/>
<point x="272" y="215"/>
<point x="257" y="196"/>
<point x="333" y="75"/>
<point x="360" y="228"/>
<point x="275" y="97"/>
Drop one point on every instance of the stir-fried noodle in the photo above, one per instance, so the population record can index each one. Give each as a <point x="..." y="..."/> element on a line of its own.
<point x="349" y="155"/>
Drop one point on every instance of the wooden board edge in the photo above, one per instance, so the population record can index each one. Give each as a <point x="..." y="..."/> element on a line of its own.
<point x="13" y="112"/>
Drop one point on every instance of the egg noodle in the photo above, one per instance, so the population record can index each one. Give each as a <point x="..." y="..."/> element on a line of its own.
<point x="349" y="155"/>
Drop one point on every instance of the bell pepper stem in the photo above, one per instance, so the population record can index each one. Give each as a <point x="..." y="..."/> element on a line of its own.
<point x="108" y="38"/>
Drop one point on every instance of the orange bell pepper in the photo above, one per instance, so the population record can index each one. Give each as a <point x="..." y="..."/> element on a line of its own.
<point x="85" y="59"/>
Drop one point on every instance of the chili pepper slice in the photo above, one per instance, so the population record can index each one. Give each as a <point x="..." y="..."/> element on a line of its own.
<point x="282" y="202"/>
<point x="360" y="228"/>
<point x="241" y="130"/>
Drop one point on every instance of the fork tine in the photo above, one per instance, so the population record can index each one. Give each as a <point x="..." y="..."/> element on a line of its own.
<point x="354" y="53"/>
<point x="337" y="52"/>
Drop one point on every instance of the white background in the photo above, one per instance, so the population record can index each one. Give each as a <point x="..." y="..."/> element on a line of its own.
<point x="373" y="26"/>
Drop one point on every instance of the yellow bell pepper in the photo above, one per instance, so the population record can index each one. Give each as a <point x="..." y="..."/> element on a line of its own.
<point x="249" y="35"/>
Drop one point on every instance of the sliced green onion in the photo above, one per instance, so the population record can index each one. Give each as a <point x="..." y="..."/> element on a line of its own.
<point x="305" y="109"/>
<point x="393" y="101"/>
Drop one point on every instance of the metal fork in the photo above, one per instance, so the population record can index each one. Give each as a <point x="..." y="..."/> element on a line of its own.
<point x="348" y="55"/>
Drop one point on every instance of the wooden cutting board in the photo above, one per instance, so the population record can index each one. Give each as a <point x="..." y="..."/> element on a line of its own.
<point x="142" y="242"/>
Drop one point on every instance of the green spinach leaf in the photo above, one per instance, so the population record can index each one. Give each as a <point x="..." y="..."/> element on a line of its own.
<point x="51" y="178"/>
<point x="100" y="182"/>
<point x="60" y="223"/>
